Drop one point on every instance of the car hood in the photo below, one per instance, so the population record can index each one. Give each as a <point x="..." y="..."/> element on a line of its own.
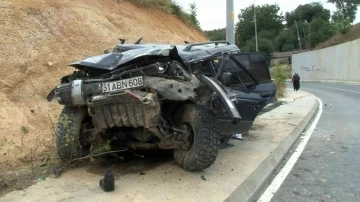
<point x="110" y="61"/>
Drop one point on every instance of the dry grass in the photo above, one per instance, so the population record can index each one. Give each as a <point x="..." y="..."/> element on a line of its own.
<point x="353" y="34"/>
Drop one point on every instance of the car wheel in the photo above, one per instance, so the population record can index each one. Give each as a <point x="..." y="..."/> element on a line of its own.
<point x="201" y="136"/>
<point x="70" y="140"/>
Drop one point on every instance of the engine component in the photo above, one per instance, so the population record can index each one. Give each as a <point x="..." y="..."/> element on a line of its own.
<point x="143" y="135"/>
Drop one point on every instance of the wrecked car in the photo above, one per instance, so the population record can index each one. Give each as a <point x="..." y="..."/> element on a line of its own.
<point x="189" y="98"/>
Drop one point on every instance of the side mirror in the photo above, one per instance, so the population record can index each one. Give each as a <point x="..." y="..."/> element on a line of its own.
<point x="106" y="51"/>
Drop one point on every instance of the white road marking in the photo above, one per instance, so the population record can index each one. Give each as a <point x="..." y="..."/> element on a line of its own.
<point x="284" y="172"/>
<point x="342" y="89"/>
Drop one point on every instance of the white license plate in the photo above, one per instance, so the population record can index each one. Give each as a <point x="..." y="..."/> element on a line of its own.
<point x="122" y="84"/>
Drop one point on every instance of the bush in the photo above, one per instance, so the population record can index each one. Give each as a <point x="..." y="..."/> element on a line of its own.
<point x="216" y="34"/>
<point x="169" y="6"/>
<point x="353" y="34"/>
<point x="176" y="9"/>
<point x="342" y="26"/>
<point x="280" y="74"/>
<point x="319" y="31"/>
<point x="264" y="45"/>
<point x="288" y="47"/>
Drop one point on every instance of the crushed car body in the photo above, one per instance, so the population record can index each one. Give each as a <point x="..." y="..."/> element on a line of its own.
<point x="188" y="98"/>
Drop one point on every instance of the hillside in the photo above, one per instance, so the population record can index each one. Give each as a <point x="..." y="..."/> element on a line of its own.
<point x="39" y="37"/>
<point x="353" y="34"/>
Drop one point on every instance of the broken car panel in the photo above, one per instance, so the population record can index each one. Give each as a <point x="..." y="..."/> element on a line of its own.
<point x="146" y="96"/>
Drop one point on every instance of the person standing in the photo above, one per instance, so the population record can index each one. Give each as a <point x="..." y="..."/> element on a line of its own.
<point x="296" y="81"/>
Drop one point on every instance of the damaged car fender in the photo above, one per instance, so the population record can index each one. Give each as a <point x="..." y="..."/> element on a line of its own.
<point x="223" y="96"/>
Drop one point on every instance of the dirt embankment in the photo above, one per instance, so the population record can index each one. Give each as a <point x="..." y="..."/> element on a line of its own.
<point x="39" y="37"/>
<point x="352" y="34"/>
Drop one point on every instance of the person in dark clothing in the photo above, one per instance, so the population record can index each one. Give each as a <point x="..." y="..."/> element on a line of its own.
<point x="296" y="81"/>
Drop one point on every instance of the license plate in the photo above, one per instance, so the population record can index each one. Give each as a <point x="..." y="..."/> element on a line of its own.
<point x="122" y="84"/>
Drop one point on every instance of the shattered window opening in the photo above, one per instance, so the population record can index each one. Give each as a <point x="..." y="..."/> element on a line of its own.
<point x="240" y="78"/>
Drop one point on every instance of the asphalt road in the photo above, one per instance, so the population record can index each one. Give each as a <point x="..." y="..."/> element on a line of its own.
<point x="329" y="167"/>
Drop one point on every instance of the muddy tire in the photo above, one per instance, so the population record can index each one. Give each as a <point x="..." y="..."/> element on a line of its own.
<point x="204" y="138"/>
<point x="69" y="142"/>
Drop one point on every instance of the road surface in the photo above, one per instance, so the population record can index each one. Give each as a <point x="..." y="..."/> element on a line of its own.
<point x="329" y="167"/>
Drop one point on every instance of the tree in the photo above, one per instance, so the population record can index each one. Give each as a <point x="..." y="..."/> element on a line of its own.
<point x="268" y="19"/>
<point x="342" y="26"/>
<point x="319" y="31"/>
<point x="216" y="34"/>
<point x="286" y="40"/>
<point x="306" y="13"/>
<point x="193" y="14"/>
<point x="346" y="9"/>
<point x="288" y="47"/>
<point x="265" y="45"/>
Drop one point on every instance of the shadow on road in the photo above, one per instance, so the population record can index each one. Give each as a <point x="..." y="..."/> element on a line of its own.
<point x="130" y="163"/>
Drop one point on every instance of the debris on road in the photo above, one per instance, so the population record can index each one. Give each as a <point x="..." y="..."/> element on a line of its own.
<point x="108" y="182"/>
<point x="203" y="177"/>
<point x="237" y="137"/>
<point x="41" y="178"/>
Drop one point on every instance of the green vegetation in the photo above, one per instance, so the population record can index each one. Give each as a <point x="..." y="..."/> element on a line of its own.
<point x="174" y="8"/>
<point x="352" y="34"/>
<point x="316" y="25"/>
<point x="280" y="73"/>
<point x="269" y="24"/>
<point x="193" y="14"/>
<point x="346" y="9"/>
<point x="25" y="129"/>
<point x="216" y="34"/>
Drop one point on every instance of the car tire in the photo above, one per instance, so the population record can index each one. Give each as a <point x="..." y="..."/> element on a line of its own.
<point x="69" y="141"/>
<point x="204" y="141"/>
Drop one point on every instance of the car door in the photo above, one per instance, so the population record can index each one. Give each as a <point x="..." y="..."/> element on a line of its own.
<point x="250" y="81"/>
<point x="259" y="69"/>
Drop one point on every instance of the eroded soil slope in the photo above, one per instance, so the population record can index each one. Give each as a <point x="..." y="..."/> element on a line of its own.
<point x="39" y="37"/>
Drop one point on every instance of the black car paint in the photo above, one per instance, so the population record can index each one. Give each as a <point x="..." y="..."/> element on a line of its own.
<point x="111" y="61"/>
<point x="249" y="100"/>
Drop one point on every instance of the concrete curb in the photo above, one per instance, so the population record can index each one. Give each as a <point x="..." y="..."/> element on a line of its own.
<point x="249" y="188"/>
<point x="330" y="81"/>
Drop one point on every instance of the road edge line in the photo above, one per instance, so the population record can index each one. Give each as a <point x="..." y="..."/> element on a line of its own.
<point x="248" y="189"/>
<point x="294" y="157"/>
<point x="356" y="83"/>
